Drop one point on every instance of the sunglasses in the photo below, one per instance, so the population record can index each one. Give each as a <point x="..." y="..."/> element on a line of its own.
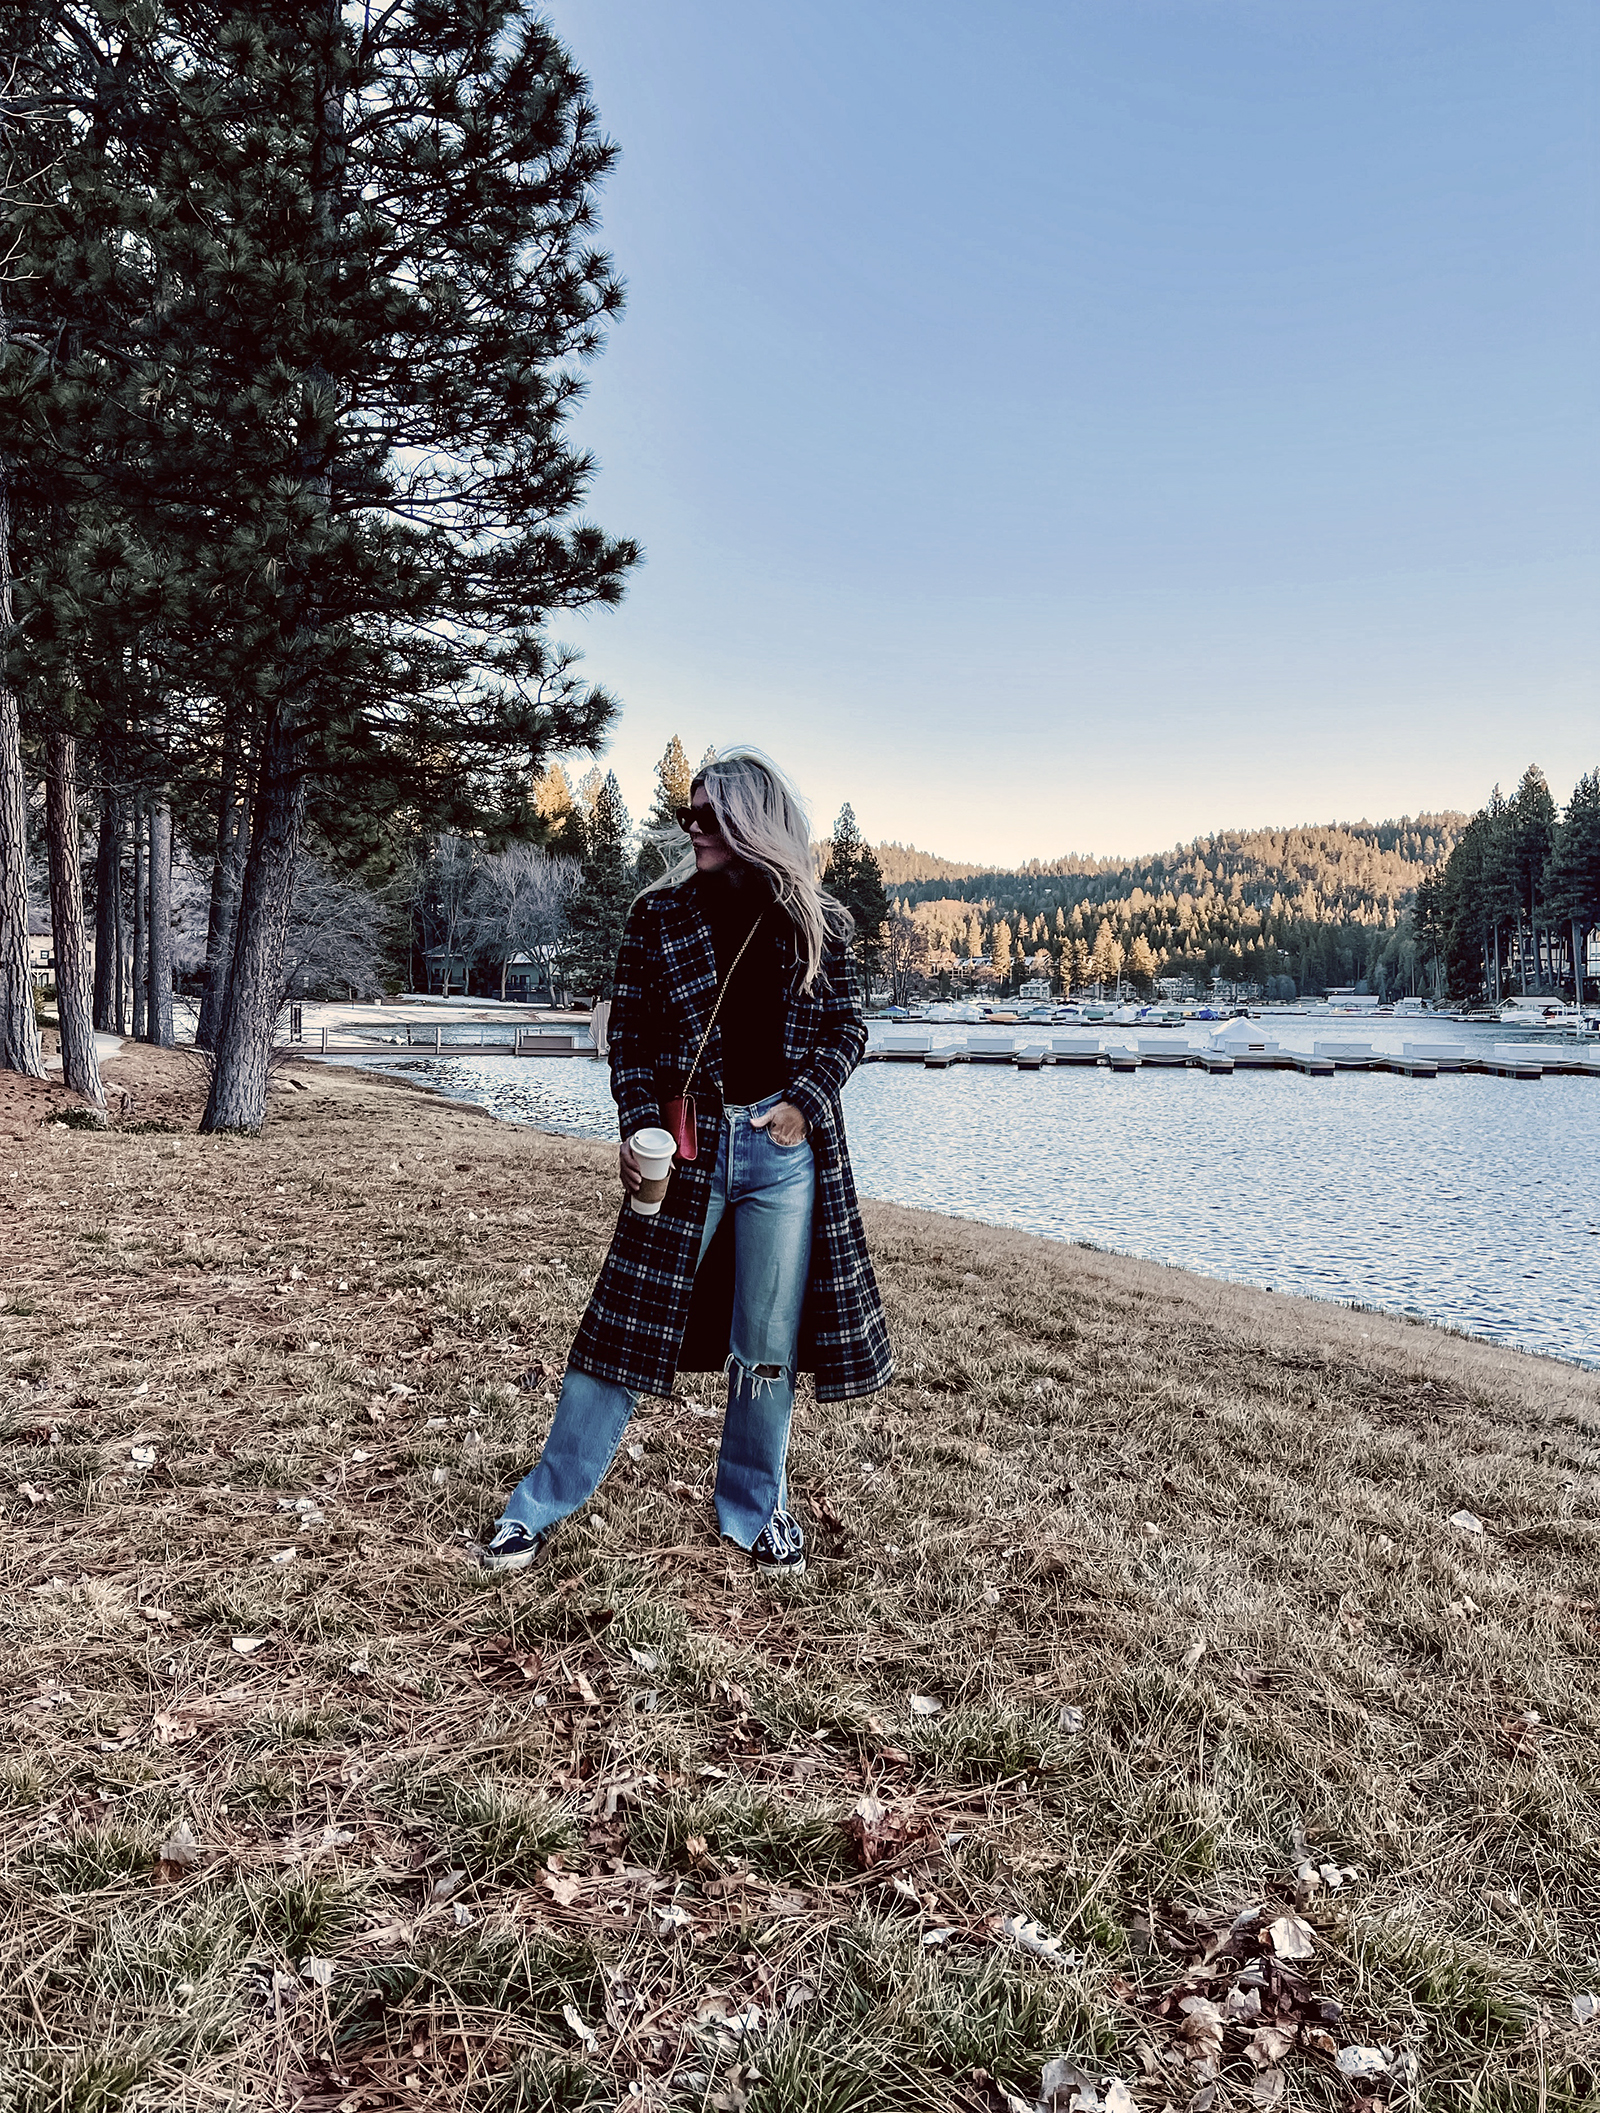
<point x="701" y="818"/>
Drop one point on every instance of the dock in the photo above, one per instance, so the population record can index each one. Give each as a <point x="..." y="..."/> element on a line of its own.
<point x="1219" y="1059"/>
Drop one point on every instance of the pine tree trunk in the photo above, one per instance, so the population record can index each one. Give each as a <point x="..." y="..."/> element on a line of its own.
<point x="158" y="1003"/>
<point x="80" y="1068"/>
<point x="233" y="814"/>
<point x="19" y="1025"/>
<point x="123" y="928"/>
<point x="141" y="925"/>
<point x="1577" y="964"/>
<point x="238" y="1099"/>
<point x="105" y="913"/>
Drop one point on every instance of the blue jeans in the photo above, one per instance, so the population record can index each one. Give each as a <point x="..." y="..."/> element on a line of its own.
<point x="770" y="1190"/>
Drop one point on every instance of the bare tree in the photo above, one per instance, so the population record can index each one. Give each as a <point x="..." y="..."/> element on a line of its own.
<point x="905" y="955"/>
<point x="519" y="904"/>
<point x="337" y="933"/>
<point x="442" y="892"/>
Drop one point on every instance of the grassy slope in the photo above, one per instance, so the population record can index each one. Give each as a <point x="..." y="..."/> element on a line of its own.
<point x="1173" y="1558"/>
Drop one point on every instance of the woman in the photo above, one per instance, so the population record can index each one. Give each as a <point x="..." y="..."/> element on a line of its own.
<point x="757" y="1263"/>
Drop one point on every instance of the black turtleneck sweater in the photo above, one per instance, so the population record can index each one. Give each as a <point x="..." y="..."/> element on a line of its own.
<point x="751" y="1019"/>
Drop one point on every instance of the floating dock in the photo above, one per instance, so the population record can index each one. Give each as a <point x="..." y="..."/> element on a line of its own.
<point x="1417" y="1060"/>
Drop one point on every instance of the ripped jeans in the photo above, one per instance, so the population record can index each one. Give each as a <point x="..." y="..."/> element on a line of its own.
<point x="770" y="1190"/>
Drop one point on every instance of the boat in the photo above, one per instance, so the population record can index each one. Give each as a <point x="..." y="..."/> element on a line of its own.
<point x="1549" y="1013"/>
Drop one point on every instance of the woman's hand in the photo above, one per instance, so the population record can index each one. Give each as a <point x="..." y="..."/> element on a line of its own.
<point x="632" y="1172"/>
<point x="784" y="1123"/>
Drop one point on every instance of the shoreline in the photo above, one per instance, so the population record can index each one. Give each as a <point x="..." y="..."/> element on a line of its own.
<point x="1135" y="1598"/>
<point x="378" y="1070"/>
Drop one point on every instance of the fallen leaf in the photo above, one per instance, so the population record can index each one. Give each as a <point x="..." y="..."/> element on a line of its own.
<point x="283" y="1555"/>
<point x="142" y="1455"/>
<point x="647" y="1661"/>
<point x="932" y="1937"/>
<point x="247" y="1646"/>
<point x="1024" y="1931"/>
<point x="1065" y="2088"/>
<point x="451" y="1882"/>
<point x="1194" y="1654"/>
<point x="1585" y="2009"/>
<point x="1466" y="1522"/>
<point x="1117" y="2098"/>
<point x="319" y="1972"/>
<point x="180" y="1847"/>
<point x="1268" y="2046"/>
<point x="563" y="1891"/>
<point x="925" y="1706"/>
<point x="578" y="2028"/>
<point x="1291" y="1938"/>
<point x="1201" y="2027"/>
<point x="1356" y="2062"/>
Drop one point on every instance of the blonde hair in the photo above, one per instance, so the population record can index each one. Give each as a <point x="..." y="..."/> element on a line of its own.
<point x="763" y="822"/>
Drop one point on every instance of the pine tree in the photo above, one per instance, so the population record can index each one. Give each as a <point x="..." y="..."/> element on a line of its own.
<point x="1572" y="877"/>
<point x="558" y="812"/>
<point x="606" y="889"/>
<point x="1533" y="823"/>
<point x="853" y="877"/>
<point x="674" y="782"/>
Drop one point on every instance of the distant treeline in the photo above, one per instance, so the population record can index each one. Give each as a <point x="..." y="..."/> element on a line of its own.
<point x="1313" y="907"/>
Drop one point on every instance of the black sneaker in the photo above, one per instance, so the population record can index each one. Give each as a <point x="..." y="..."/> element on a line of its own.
<point x="513" y="1548"/>
<point x="780" y="1547"/>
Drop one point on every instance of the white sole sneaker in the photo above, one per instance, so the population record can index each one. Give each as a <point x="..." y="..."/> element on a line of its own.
<point x="521" y="1554"/>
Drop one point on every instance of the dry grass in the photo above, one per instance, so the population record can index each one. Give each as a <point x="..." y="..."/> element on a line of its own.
<point x="1174" y="1560"/>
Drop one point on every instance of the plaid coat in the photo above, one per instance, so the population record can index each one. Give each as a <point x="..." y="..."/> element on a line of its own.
<point x="652" y="1314"/>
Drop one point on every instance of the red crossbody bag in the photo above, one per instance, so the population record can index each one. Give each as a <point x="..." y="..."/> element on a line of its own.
<point x="678" y="1114"/>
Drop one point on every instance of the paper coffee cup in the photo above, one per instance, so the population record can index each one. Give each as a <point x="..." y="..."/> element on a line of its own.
<point x="653" y="1149"/>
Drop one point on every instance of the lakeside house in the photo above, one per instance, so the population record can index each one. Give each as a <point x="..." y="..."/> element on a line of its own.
<point x="42" y="946"/>
<point x="523" y="979"/>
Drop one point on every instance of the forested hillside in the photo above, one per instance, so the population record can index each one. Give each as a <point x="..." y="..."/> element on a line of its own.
<point x="1317" y="905"/>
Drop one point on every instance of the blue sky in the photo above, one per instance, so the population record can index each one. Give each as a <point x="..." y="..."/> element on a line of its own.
<point x="1076" y="426"/>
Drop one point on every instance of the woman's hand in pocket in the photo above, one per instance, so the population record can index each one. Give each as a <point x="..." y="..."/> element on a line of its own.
<point x="784" y="1124"/>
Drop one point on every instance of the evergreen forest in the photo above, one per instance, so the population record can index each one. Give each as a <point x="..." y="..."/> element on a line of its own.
<point x="1444" y="906"/>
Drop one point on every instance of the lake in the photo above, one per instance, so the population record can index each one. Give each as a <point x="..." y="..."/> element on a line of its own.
<point x="1473" y="1201"/>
